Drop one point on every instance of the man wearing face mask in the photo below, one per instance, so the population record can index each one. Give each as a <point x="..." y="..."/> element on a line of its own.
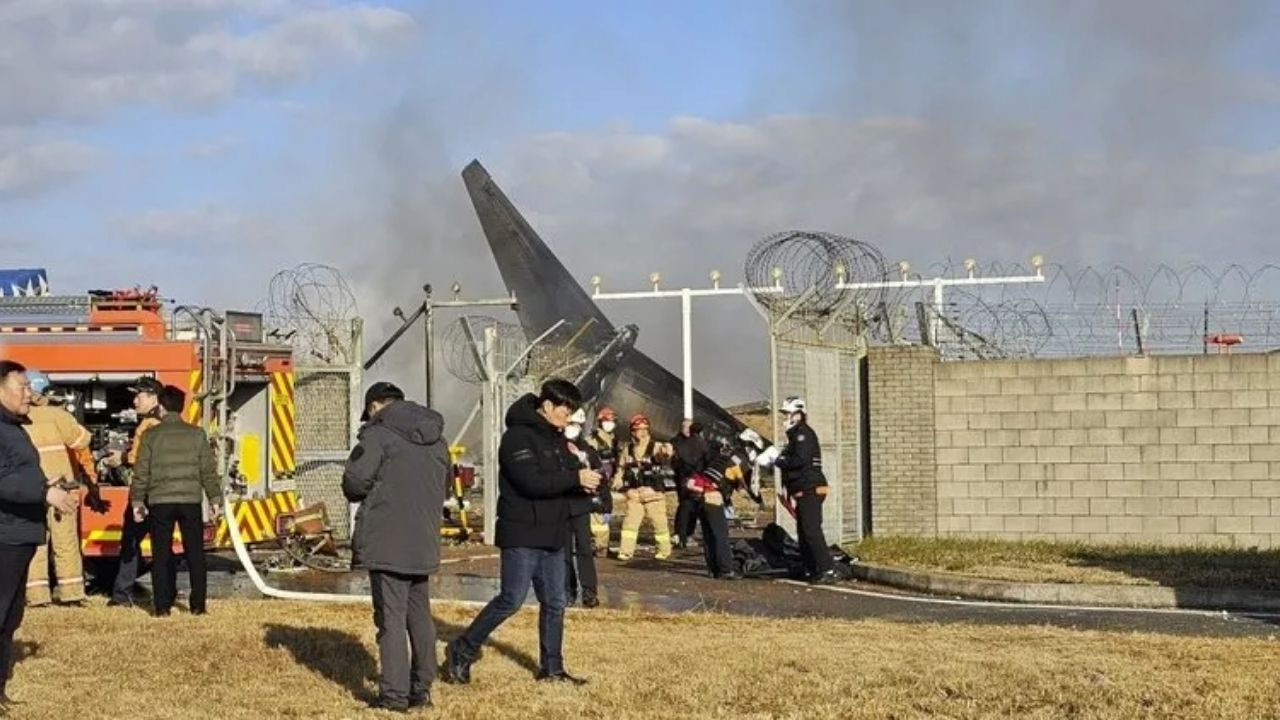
<point x="605" y="442"/>
<point x="640" y="474"/>
<point x="579" y="562"/>
<point x="537" y="476"/>
<point x="801" y="465"/>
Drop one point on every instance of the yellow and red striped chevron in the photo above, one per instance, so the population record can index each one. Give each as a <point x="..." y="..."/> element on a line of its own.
<point x="257" y="518"/>
<point x="284" y="441"/>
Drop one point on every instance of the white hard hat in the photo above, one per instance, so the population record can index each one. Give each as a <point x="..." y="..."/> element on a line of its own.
<point x="751" y="436"/>
<point x="792" y="405"/>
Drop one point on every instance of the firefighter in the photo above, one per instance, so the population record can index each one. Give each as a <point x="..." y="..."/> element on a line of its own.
<point x="579" y="560"/>
<point x="604" y="441"/>
<point x="640" y="474"/>
<point x="801" y="465"/>
<point x="58" y="437"/>
<point x="691" y="456"/>
<point x="146" y="402"/>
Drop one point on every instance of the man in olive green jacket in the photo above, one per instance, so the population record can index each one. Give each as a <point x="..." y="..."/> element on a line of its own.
<point x="175" y="471"/>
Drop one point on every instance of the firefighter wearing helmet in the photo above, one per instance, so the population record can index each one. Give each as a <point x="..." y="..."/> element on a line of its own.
<point x="60" y="441"/>
<point x="801" y="465"/>
<point x="604" y="440"/>
<point x="640" y="475"/>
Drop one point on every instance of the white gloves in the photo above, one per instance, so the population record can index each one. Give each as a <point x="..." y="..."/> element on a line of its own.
<point x="768" y="457"/>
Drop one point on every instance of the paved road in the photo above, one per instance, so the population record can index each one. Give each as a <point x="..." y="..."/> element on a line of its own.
<point x="681" y="585"/>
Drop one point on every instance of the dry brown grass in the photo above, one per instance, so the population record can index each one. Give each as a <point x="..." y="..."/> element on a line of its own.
<point x="264" y="659"/>
<point x="1037" y="561"/>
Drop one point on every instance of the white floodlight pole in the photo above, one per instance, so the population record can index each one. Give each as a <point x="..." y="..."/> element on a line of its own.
<point x="940" y="283"/>
<point x="686" y="296"/>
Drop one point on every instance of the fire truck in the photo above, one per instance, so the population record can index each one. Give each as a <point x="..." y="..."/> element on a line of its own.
<point x="238" y="379"/>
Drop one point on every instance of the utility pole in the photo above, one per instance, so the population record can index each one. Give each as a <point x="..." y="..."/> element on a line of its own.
<point x="426" y="311"/>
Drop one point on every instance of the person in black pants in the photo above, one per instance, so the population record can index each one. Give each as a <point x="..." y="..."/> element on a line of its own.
<point x="716" y="486"/>
<point x="537" y="476"/>
<point x="147" y="404"/>
<point x="801" y="465"/>
<point x="174" y="474"/>
<point x="24" y="494"/>
<point x="691" y="456"/>
<point x="579" y="557"/>
<point x="399" y="473"/>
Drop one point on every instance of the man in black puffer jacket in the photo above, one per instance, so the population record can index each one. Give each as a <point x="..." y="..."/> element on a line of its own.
<point x="537" y="476"/>
<point x="398" y="473"/>
<point x="24" y="492"/>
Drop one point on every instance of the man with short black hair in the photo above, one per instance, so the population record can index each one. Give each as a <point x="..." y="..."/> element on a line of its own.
<point x="24" y="494"/>
<point x="537" y="476"/>
<point x="691" y="457"/>
<point x="399" y="472"/>
<point x="175" y="473"/>
<point x="146" y="403"/>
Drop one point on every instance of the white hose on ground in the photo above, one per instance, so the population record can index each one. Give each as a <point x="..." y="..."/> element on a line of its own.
<point x="233" y="529"/>
<point x="242" y="552"/>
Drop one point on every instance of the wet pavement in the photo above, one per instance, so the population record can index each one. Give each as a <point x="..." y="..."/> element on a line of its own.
<point x="681" y="585"/>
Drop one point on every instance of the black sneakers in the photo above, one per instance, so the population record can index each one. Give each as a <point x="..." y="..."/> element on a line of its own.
<point x="560" y="677"/>
<point x="456" y="669"/>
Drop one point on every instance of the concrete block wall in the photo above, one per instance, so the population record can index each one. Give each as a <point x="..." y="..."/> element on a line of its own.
<point x="903" y="465"/>
<point x="1172" y="450"/>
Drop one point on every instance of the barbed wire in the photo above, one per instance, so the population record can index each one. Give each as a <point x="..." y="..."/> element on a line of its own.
<point x="463" y="346"/>
<point x="803" y="263"/>
<point x="313" y="306"/>
<point x="1110" y="310"/>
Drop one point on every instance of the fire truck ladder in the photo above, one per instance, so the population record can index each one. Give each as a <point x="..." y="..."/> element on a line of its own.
<point x="218" y="368"/>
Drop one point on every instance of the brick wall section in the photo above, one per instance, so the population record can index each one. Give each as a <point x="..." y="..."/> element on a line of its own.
<point x="903" y="468"/>
<point x="1175" y="450"/>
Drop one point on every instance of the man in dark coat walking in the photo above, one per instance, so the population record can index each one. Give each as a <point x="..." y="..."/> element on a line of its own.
<point x="399" y="473"/>
<point x="537" y="476"/>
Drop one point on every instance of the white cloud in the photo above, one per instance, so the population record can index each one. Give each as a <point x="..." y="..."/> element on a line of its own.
<point x="33" y="166"/>
<point x="76" y="60"/>
<point x="211" y="225"/>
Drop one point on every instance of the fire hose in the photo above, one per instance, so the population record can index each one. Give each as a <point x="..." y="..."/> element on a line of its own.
<point x="242" y="553"/>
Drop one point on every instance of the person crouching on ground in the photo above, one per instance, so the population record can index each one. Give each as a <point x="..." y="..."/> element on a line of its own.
<point x="537" y="476"/>
<point x="399" y="473"/>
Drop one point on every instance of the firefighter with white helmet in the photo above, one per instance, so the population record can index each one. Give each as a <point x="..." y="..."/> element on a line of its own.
<point x="801" y="465"/>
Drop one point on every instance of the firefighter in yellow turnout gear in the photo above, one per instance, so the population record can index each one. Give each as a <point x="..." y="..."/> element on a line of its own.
<point x="605" y="442"/>
<point x="59" y="438"/>
<point x="640" y="474"/>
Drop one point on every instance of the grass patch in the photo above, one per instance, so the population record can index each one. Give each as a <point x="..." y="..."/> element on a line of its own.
<point x="263" y="659"/>
<point x="1038" y="561"/>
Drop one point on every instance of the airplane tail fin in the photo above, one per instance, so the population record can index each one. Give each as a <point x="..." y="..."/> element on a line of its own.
<point x="545" y="291"/>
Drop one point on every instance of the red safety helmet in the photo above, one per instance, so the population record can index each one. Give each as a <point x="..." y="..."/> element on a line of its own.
<point x="606" y="413"/>
<point x="639" y="419"/>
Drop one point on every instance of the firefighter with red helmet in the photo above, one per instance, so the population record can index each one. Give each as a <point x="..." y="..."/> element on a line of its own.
<point x="640" y="474"/>
<point x="604" y="440"/>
